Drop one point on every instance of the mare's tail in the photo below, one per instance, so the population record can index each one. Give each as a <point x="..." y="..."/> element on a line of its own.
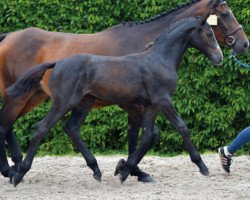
<point x="2" y="36"/>
<point x="29" y="81"/>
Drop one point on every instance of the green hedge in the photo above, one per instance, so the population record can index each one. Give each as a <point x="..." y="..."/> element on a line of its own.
<point x="213" y="100"/>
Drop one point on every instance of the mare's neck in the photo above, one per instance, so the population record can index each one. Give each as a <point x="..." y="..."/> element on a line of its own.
<point x="139" y="35"/>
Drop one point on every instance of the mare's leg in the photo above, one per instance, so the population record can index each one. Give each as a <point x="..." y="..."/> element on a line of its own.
<point x="133" y="133"/>
<point x="148" y="139"/>
<point x="40" y="132"/>
<point x="31" y="102"/>
<point x="72" y="128"/>
<point x="167" y="107"/>
<point x="8" y="115"/>
<point x="16" y="154"/>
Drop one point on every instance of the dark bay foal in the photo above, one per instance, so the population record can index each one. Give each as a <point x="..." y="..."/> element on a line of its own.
<point x="148" y="78"/>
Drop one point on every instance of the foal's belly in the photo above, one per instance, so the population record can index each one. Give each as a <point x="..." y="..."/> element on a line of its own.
<point x="119" y="93"/>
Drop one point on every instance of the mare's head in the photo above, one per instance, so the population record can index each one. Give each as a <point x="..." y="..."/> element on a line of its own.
<point x="202" y="38"/>
<point x="228" y="31"/>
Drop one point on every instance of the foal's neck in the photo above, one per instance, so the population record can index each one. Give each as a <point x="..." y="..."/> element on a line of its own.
<point x="172" y="44"/>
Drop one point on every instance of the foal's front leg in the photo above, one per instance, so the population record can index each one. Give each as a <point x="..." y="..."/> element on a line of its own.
<point x="167" y="107"/>
<point x="72" y="128"/>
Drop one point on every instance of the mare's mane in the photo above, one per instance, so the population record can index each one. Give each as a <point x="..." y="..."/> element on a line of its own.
<point x="168" y="12"/>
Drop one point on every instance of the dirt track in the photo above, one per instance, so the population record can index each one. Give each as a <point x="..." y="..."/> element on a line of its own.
<point x="176" y="178"/>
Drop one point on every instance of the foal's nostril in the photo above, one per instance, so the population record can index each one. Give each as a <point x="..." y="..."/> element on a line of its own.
<point x="221" y="60"/>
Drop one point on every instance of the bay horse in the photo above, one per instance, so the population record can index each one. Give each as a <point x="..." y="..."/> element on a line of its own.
<point x="22" y="50"/>
<point x="148" y="78"/>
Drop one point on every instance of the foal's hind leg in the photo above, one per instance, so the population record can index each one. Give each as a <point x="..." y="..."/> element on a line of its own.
<point x="135" y="122"/>
<point x="148" y="139"/>
<point x="42" y="129"/>
<point x="72" y="128"/>
<point x="167" y="107"/>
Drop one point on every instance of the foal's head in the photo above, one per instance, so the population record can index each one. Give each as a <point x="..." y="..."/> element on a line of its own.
<point x="203" y="39"/>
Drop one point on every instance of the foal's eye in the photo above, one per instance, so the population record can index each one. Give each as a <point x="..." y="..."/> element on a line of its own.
<point x="210" y="34"/>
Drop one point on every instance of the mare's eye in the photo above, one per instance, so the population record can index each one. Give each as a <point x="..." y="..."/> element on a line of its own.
<point x="225" y="15"/>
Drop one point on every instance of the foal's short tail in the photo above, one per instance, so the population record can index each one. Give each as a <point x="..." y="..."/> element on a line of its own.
<point x="29" y="81"/>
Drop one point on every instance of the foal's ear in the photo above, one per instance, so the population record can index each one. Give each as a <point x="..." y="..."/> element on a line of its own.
<point x="204" y="18"/>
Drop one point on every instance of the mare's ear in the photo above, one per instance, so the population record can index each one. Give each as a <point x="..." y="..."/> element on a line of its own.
<point x="214" y="3"/>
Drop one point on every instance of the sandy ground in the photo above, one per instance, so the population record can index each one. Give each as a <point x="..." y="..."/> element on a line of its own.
<point x="175" y="178"/>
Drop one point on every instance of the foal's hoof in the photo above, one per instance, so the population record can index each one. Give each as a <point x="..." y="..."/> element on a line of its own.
<point x="17" y="179"/>
<point x="121" y="170"/>
<point x="203" y="169"/>
<point x="205" y="172"/>
<point x="123" y="176"/>
<point x="98" y="176"/>
<point x="15" y="168"/>
<point x="12" y="182"/>
<point x="146" y="179"/>
<point x="119" y="167"/>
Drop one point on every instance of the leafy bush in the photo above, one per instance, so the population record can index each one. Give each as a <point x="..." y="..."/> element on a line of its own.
<point x="213" y="101"/>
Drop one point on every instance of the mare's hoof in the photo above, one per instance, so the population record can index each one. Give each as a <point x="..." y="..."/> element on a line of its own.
<point x="17" y="179"/>
<point x="5" y="174"/>
<point x="9" y="174"/>
<point x="98" y="176"/>
<point x="146" y="179"/>
<point x="11" y="180"/>
<point x="119" y="167"/>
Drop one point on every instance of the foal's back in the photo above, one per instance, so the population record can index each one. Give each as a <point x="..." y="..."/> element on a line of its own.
<point x="114" y="79"/>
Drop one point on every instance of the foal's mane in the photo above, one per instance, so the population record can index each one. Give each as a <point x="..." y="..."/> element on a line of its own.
<point x="175" y="25"/>
<point x="169" y="29"/>
<point x="173" y="10"/>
